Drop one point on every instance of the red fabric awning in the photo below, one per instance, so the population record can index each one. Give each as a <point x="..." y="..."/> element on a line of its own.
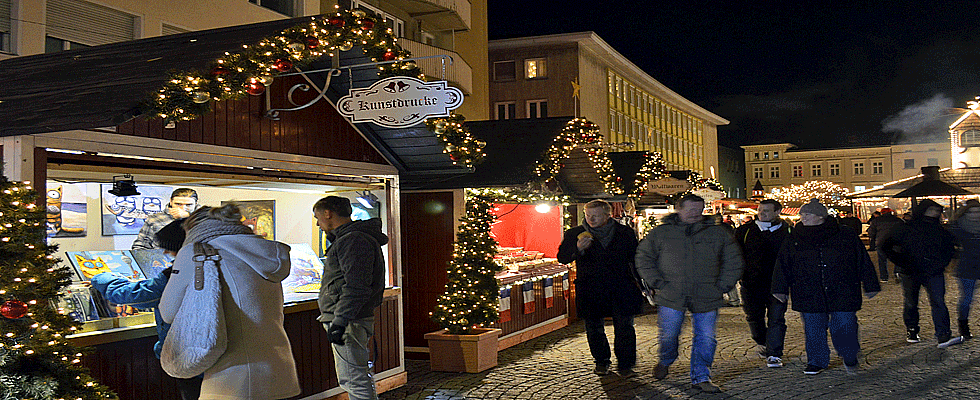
<point x="790" y="211"/>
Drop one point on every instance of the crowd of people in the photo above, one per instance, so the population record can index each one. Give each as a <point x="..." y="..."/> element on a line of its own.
<point x="819" y="267"/>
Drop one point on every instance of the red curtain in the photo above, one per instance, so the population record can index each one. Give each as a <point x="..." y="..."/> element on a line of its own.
<point x="523" y="226"/>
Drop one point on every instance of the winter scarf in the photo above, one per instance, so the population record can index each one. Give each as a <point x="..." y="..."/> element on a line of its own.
<point x="604" y="233"/>
<point x="209" y="229"/>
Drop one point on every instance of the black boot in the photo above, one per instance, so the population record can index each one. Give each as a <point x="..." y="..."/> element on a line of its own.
<point x="965" y="329"/>
<point x="912" y="335"/>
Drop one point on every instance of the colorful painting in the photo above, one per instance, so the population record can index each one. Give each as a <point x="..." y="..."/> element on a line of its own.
<point x="152" y="261"/>
<point x="90" y="263"/>
<point x="260" y="215"/>
<point x="67" y="209"/>
<point x="125" y="215"/>
<point x="305" y="273"/>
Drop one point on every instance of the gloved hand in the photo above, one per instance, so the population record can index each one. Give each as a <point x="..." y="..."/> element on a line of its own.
<point x="335" y="333"/>
<point x="870" y="295"/>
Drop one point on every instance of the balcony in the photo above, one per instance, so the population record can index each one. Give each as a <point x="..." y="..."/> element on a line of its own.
<point x="438" y="15"/>
<point x="458" y="73"/>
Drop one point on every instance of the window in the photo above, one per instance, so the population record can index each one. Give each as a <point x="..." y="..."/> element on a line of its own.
<point x="52" y="45"/>
<point x="5" y="42"/>
<point x="537" y="109"/>
<point x="815" y="170"/>
<point x="285" y="7"/>
<point x="834" y="169"/>
<point x="102" y="25"/>
<point x="757" y="172"/>
<point x="505" y="110"/>
<point x="909" y="163"/>
<point x="774" y="172"/>
<point x="933" y="161"/>
<point x="859" y="188"/>
<point x="797" y="171"/>
<point x="172" y="30"/>
<point x="970" y="138"/>
<point x="396" y="25"/>
<point x="765" y="155"/>
<point x="756" y="156"/>
<point x="535" y="68"/>
<point x="877" y="167"/>
<point x="5" y="26"/>
<point x="859" y="168"/>
<point x="775" y="155"/>
<point x="504" y="70"/>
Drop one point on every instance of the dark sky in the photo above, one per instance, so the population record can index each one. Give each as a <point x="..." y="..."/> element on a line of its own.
<point x="811" y="74"/>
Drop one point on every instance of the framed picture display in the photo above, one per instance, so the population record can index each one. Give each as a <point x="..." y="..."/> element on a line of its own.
<point x="67" y="209"/>
<point x="305" y="273"/>
<point x="260" y="215"/>
<point x="152" y="261"/>
<point x="125" y="215"/>
<point x="90" y="263"/>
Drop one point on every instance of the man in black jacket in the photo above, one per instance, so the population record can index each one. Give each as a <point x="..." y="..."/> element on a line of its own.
<point x="760" y="241"/>
<point x="878" y="230"/>
<point x="921" y="250"/>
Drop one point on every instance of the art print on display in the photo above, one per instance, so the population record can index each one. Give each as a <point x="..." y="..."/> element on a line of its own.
<point x="152" y="261"/>
<point x="305" y="273"/>
<point x="67" y="209"/>
<point x="260" y="215"/>
<point x="91" y="263"/>
<point x="125" y="215"/>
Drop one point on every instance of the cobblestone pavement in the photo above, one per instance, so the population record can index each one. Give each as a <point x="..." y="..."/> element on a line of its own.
<point x="558" y="365"/>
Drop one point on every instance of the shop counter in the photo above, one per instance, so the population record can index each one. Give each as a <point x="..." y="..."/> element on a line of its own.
<point x="534" y="302"/>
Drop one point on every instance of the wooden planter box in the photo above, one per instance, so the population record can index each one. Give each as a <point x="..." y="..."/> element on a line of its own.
<point x="463" y="353"/>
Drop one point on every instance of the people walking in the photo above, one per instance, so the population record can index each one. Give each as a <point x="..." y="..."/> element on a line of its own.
<point x="690" y="261"/>
<point x="603" y="251"/>
<point x="878" y="230"/>
<point x="966" y="229"/>
<point x="760" y="241"/>
<point x="823" y="268"/>
<point x="921" y="250"/>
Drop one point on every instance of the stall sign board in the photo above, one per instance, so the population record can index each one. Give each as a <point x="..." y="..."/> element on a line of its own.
<point x="400" y="101"/>
<point x="709" y="195"/>
<point x="668" y="186"/>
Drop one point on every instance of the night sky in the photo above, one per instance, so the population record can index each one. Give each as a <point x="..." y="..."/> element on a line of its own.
<point x="811" y="74"/>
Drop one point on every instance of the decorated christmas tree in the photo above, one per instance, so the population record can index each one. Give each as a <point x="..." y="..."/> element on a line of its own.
<point x="470" y="300"/>
<point x="36" y="360"/>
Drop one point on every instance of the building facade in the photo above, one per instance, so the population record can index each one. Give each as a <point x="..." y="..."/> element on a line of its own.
<point x="964" y="137"/>
<point x="857" y="168"/>
<point x="455" y="28"/>
<point x="579" y="74"/>
<point x="731" y="172"/>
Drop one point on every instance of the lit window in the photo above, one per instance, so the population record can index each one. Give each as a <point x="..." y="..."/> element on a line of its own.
<point x="765" y="156"/>
<point x="775" y="155"/>
<point x="535" y="68"/>
<point x="859" y="188"/>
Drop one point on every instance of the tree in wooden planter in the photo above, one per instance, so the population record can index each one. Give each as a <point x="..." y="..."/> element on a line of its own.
<point x="470" y="301"/>
<point x="36" y="360"/>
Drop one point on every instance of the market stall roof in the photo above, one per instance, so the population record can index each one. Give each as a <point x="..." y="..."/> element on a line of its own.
<point x="102" y="87"/>
<point x="967" y="179"/>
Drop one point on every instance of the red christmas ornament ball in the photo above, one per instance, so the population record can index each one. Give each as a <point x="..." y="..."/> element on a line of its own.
<point x="366" y="24"/>
<point x="389" y="55"/>
<point x="282" y="65"/>
<point x="453" y="157"/>
<point x="254" y="88"/>
<point x="336" y="22"/>
<point x="311" y="42"/>
<point x="219" y="71"/>
<point x="13" y="309"/>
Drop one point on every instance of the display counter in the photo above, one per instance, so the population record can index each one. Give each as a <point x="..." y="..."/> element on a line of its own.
<point x="122" y="358"/>
<point x="533" y="297"/>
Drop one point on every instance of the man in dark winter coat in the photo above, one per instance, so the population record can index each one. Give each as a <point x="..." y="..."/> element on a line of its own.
<point x="849" y="220"/>
<point x="691" y="262"/>
<point x="921" y="250"/>
<point x="878" y="230"/>
<point x="760" y="241"/>
<point x="605" y="284"/>
<point x="353" y="286"/>
<point x="823" y="267"/>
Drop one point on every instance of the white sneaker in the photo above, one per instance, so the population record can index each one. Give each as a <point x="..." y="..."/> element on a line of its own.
<point x="774" y="362"/>
<point x="950" y="342"/>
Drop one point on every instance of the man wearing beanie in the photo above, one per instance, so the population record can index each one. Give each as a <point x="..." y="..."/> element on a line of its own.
<point x="921" y="250"/>
<point x="823" y="268"/>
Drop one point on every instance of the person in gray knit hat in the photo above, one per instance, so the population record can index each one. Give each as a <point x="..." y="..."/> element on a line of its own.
<point x="814" y="207"/>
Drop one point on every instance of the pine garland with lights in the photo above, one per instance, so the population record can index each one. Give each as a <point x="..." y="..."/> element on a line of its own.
<point x="470" y="300"/>
<point x="827" y="192"/>
<point x="188" y="94"/>
<point x="36" y="360"/>
<point x="458" y="142"/>
<point x="518" y="196"/>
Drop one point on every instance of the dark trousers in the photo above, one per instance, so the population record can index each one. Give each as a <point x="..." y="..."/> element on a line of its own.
<point x="766" y="317"/>
<point x="624" y="341"/>
<point x="190" y="388"/>
<point x="882" y="265"/>
<point x="936" y="289"/>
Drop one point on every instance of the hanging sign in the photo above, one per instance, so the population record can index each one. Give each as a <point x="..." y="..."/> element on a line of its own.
<point x="668" y="186"/>
<point x="400" y="101"/>
<point x="709" y="194"/>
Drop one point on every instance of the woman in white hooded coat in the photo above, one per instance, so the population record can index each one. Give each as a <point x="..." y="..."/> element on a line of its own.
<point x="258" y="362"/>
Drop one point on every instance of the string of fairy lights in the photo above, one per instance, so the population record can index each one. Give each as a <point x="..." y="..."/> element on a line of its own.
<point x="36" y="360"/>
<point x="461" y="146"/>
<point x="827" y="192"/>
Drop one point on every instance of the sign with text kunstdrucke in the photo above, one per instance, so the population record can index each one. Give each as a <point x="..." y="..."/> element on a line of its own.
<point x="400" y="101"/>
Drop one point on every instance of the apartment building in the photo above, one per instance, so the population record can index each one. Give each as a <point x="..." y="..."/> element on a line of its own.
<point x="456" y="28"/>
<point x="855" y="168"/>
<point x="579" y="74"/>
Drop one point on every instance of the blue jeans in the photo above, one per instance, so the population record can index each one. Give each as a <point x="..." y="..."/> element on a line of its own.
<point x="936" y="289"/>
<point x="624" y="341"/>
<point x="966" y="297"/>
<point x="353" y="360"/>
<point x="703" y="345"/>
<point x="843" y="327"/>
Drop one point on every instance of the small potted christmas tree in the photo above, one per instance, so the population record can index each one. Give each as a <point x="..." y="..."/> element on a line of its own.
<point x="470" y="301"/>
<point x="36" y="360"/>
